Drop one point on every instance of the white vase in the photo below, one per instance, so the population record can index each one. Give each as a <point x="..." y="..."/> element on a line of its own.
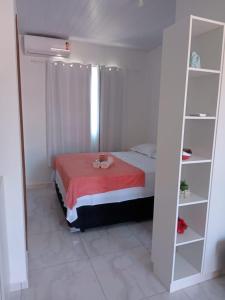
<point x="185" y="194"/>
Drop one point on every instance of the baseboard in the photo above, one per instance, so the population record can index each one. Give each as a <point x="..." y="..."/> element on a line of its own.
<point x="193" y="280"/>
<point x="39" y="185"/>
<point x="26" y="284"/>
<point x="14" y="287"/>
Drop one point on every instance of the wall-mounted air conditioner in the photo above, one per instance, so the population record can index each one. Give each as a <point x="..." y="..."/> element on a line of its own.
<point x="38" y="45"/>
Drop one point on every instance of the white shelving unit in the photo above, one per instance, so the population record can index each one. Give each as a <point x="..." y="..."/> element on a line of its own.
<point x="179" y="258"/>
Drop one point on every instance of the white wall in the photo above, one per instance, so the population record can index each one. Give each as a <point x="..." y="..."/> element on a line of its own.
<point x="154" y="73"/>
<point x="136" y="122"/>
<point x="10" y="149"/>
<point x="212" y="9"/>
<point x="34" y="120"/>
<point x="4" y="270"/>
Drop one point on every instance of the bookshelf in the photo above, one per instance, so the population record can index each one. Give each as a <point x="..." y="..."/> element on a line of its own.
<point x="178" y="259"/>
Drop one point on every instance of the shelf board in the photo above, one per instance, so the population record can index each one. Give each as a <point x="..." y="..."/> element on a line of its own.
<point x="200" y="118"/>
<point x="196" y="160"/>
<point x="201" y="26"/>
<point x="189" y="236"/>
<point x="183" y="268"/>
<point x="195" y="72"/>
<point x="193" y="199"/>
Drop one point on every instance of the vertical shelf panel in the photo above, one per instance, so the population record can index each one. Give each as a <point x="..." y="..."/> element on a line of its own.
<point x="172" y="92"/>
<point x="187" y="91"/>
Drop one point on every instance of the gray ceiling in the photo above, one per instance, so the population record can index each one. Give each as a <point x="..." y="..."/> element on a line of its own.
<point x="113" y="22"/>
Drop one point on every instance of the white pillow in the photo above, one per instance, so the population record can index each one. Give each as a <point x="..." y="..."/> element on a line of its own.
<point x="146" y="149"/>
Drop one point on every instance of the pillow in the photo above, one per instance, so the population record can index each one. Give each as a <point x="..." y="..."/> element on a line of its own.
<point x="146" y="149"/>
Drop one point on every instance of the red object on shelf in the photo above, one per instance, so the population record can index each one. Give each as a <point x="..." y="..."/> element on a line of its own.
<point x="186" y="154"/>
<point x="181" y="226"/>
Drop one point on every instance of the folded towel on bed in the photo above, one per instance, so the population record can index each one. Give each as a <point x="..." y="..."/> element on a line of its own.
<point x="96" y="164"/>
<point x="107" y="163"/>
<point x="104" y="164"/>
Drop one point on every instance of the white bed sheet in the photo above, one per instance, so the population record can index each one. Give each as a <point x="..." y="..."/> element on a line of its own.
<point x="138" y="160"/>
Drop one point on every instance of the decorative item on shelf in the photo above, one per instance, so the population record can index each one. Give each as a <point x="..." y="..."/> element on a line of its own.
<point x="181" y="226"/>
<point x="199" y="115"/>
<point x="184" y="189"/>
<point x="103" y="162"/>
<point x="195" y="61"/>
<point x="186" y="154"/>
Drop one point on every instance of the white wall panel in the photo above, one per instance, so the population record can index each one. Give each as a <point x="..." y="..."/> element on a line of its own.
<point x="10" y="149"/>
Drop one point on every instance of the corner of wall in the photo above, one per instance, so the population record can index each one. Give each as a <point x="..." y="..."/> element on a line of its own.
<point x="202" y="8"/>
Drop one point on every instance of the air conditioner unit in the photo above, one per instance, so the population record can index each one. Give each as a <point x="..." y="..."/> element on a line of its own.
<point x="38" y="45"/>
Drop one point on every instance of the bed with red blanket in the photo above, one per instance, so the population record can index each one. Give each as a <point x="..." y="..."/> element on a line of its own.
<point x="93" y="197"/>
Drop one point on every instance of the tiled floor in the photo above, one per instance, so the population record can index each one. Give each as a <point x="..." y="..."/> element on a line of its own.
<point x="111" y="263"/>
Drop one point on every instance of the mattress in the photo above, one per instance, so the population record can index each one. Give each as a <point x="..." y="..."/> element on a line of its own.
<point x="138" y="160"/>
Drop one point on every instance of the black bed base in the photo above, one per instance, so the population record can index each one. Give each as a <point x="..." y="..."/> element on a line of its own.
<point x="107" y="214"/>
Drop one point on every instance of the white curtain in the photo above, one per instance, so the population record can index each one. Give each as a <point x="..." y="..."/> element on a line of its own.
<point x="111" y="108"/>
<point x="68" y="108"/>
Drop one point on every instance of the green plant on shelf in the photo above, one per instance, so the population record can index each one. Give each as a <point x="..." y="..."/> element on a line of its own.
<point x="184" y="188"/>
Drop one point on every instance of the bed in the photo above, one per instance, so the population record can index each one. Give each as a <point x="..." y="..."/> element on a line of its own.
<point x="113" y="206"/>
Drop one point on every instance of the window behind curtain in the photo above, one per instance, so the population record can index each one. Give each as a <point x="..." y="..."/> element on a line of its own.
<point x="94" y="98"/>
<point x="106" y="108"/>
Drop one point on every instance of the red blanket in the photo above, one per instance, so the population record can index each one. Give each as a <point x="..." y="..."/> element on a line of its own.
<point x="81" y="179"/>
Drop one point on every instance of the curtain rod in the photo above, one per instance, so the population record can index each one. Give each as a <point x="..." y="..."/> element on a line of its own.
<point x="70" y="61"/>
<point x="86" y="65"/>
<point x="43" y="60"/>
